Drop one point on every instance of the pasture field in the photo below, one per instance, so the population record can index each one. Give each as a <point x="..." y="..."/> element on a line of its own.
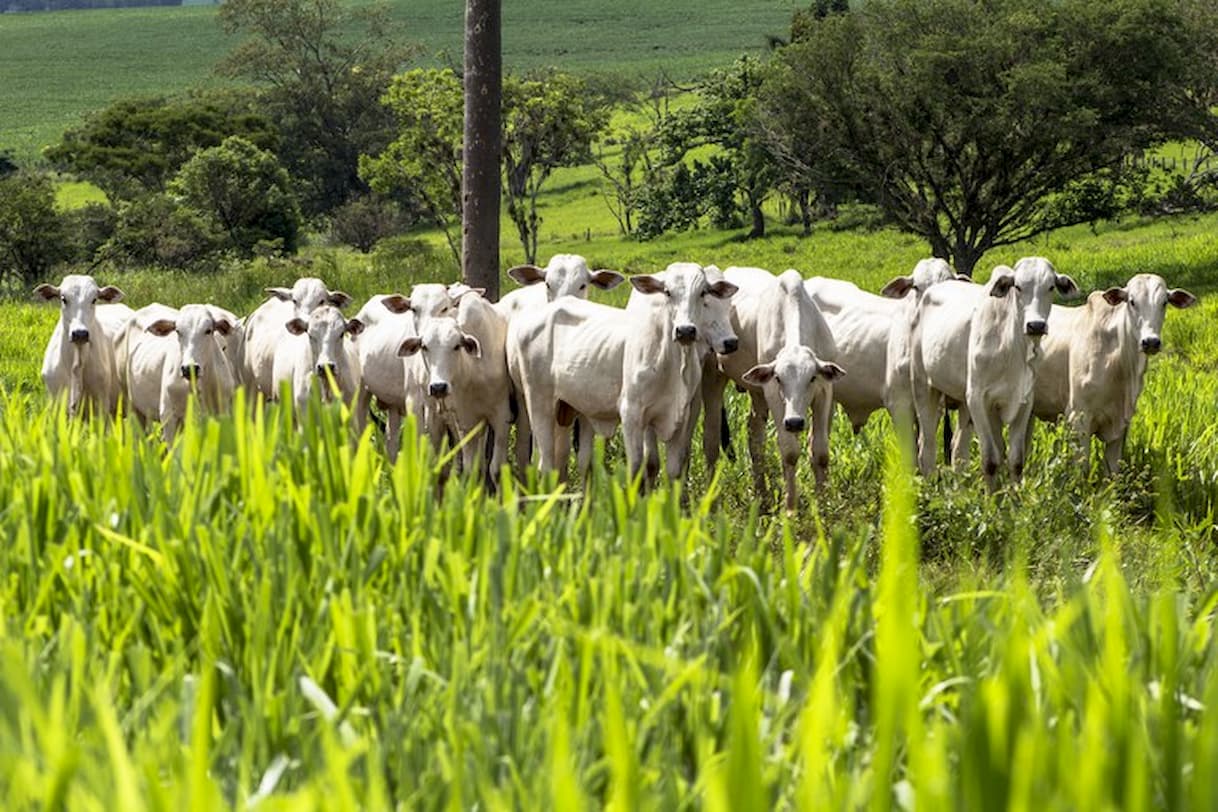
<point x="55" y="67"/>
<point x="266" y="617"/>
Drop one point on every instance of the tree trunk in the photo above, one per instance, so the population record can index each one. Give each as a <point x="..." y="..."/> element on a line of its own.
<point x="965" y="258"/>
<point x="758" y="229"/>
<point x="483" y="134"/>
<point x="803" y="197"/>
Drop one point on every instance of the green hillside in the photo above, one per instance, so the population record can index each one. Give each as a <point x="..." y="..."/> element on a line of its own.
<point x="56" y="66"/>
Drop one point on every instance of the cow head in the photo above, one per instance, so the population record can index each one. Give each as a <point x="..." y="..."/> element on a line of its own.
<point x="78" y="296"/>
<point x="430" y="300"/>
<point x="1033" y="281"/>
<point x="1147" y="297"/>
<point x="926" y="273"/>
<point x="308" y="294"/>
<point x="686" y="291"/>
<point x="197" y="330"/>
<point x="326" y="329"/>
<point x="566" y="275"/>
<point x="790" y="377"/>
<point x="442" y="346"/>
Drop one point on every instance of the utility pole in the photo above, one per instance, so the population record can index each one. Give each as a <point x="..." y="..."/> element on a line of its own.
<point x="480" y="177"/>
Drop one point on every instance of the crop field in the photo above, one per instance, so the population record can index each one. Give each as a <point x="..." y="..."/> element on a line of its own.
<point x="115" y="53"/>
<point x="265" y="617"/>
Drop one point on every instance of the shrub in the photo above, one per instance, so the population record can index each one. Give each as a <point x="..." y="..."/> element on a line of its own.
<point x="86" y="229"/>
<point x="365" y="221"/>
<point x="157" y="230"/>
<point x="31" y="230"/>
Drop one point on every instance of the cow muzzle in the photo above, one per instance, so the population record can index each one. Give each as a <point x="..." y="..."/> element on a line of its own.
<point x="79" y="336"/>
<point x="685" y="333"/>
<point x="730" y="345"/>
<point x="191" y="371"/>
<point x="331" y="369"/>
<point x="438" y="390"/>
<point x="1151" y="345"/>
<point x="794" y="424"/>
<point x="1037" y="328"/>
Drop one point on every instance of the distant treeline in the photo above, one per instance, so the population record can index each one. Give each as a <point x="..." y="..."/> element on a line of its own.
<point x="9" y="6"/>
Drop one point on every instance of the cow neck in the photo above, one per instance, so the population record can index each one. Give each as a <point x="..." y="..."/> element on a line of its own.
<point x="1125" y="361"/>
<point x="649" y="338"/>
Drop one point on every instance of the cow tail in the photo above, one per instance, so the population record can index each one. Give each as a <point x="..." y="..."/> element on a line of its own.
<point x="947" y="436"/>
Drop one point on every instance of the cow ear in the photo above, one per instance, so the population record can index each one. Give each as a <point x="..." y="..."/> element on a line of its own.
<point x="1067" y="288"/>
<point x="110" y="294"/>
<point x="898" y="287"/>
<point x="282" y="294"/>
<point x="338" y="299"/>
<point x="645" y="283"/>
<point x="472" y="291"/>
<point x="1001" y="281"/>
<point x="1179" y="297"/>
<point x="471" y="345"/>
<point x="297" y="327"/>
<point x="759" y="374"/>
<point x="396" y="303"/>
<point x="161" y="327"/>
<point x="354" y="327"/>
<point x="606" y="279"/>
<point x="831" y="371"/>
<point x="410" y="346"/>
<point x="963" y="277"/>
<point x="723" y="289"/>
<point x="222" y="326"/>
<point x="1114" y="296"/>
<point x="47" y="292"/>
<point x="527" y="274"/>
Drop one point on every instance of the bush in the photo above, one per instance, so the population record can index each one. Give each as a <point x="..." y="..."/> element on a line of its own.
<point x="243" y="194"/>
<point x="87" y="229"/>
<point x="365" y="221"/>
<point x="31" y="230"/>
<point x="411" y="260"/>
<point x="157" y="230"/>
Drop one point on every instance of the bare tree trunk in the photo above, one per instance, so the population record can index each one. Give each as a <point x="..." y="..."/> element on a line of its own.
<point x="483" y="134"/>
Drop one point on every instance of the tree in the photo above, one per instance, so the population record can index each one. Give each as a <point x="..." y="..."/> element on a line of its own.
<point x="135" y="146"/>
<point x="422" y="166"/>
<point x="483" y="133"/>
<point x="323" y="67"/>
<point x="959" y="118"/>
<point x="550" y="121"/>
<point x="626" y="176"/>
<point x="32" y="238"/>
<point x="243" y="193"/>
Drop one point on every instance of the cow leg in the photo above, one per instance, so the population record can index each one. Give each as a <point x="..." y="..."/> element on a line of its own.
<point x="928" y="404"/>
<point x="499" y="446"/>
<point x="1113" y="450"/>
<point x="393" y="433"/>
<point x="818" y="438"/>
<point x="587" y="443"/>
<point x="1017" y="451"/>
<point x="989" y="436"/>
<point x="962" y="443"/>
<point x="789" y="450"/>
<point x="634" y="439"/>
<point x="524" y="440"/>
<point x="713" y="385"/>
<point x="757" y="418"/>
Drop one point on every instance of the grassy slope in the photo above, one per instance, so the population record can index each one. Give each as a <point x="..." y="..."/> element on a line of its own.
<point x="55" y="67"/>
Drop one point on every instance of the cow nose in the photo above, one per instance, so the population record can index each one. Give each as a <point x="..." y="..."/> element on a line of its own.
<point x="794" y="424"/>
<point x="191" y="370"/>
<point x="1151" y="345"/>
<point x="1037" y="328"/>
<point x="322" y="369"/>
<point x="438" y="390"/>
<point x="79" y="336"/>
<point x="686" y="333"/>
<point x="730" y="346"/>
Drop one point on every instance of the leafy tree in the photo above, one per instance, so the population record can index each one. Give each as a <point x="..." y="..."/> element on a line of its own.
<point x="550" y="121"/>
<point x="31" y="231"/>
<point x="323" y="66"/>
<point x="243" y="193"/>
<point x="365" y="221"/>
<point x="959" y="118"/>
<point x="422" y="166"/>
<point x="135" y="146"/>
<point x="158" y="231"/>
<point x="626" y="177"/>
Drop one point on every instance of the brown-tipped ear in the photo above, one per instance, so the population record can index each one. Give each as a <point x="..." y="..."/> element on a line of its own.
<point x="338" y="299"/>
<point x="354" y="327"/>
<point x="898" y="287"/>
<point x="831" y="371"/>
<point x="1179" y="297"/>
<point x="410" y="346"/>
<point x="161" y="327"/>
<point x="723" y="289"/>
<point x="527" y="274"/>
<point x="1067" y="288"/>
<point x="646" y="283"/>
<point x="297" y="327"/>
<point x="474" y="291"/>
<point x="471" y="345"/>
<point x="606" y="279"/>
<point x="222" y="326"/>
<point x="396" y="303"/>
<point x="282" y="294"/>
<point x="1114" y="296"/>
<point x="963" y="277"/>
<point x="1001" y="282"/>
<point x="110" y="294"/>
<point x="759" y="374"/>
<point x="46" y="292"/>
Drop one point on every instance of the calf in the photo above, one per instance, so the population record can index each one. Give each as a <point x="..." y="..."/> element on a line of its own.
<point x="314" y="351"/>
<point x="263" y="329"/>
<point x="1095" y="359"/>
<point x="980" y="345"/>
<point x="79" y="361"/>
<point x="636" y="366"/>
<point x="179" y="354"/>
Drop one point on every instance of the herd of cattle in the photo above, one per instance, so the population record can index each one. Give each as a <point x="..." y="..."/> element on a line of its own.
<point x="546" y="358"/>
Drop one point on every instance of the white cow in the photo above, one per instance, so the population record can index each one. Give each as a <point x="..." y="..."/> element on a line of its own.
<point x="636" y="366"/>
<point x="172" y="354"/>
<point x="314" y="351"/>
<point x="980" y="345"/>
<point x="79" y="361"/>
<point x="785" y="363"/>
<point x="564" y="275"/>
<point x="264" y="328"/>
<point x="1095" y="359"/>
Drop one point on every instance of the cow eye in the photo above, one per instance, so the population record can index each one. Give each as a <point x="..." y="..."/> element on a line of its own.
<point x="778" y="380"/>
<point x="584" y="286"/>
<point x="63" y="299"/>
<point x="209" y="331"/>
